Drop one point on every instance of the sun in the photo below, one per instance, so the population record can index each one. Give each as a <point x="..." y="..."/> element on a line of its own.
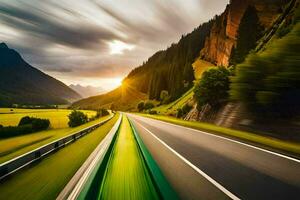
<point x="116" y="82"/>
<point x="117" y="47"/>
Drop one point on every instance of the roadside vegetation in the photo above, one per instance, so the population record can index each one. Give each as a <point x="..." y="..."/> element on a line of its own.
<point x="269" y="82"/>
<point x="48" y="178"/>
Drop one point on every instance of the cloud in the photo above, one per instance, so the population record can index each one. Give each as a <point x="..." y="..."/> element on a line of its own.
<point x="72" y="38"/>
<point x="42" y="24"/>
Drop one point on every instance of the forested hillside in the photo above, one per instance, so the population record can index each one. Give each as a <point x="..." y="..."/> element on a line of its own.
<point x="170" y="69"/>
<point x="224" y="40"/>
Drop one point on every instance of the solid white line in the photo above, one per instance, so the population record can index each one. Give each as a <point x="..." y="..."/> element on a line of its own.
<point x="215" y="183"/>
<point x="228" y="139"/>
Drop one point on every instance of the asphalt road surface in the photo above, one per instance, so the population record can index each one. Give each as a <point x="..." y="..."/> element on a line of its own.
<point x="200" y="165"/>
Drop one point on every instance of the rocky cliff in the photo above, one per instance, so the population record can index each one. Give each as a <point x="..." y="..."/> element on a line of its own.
<point x="223" y="36"/>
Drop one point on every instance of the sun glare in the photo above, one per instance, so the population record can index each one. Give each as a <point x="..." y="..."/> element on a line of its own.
<point x="117" y="47"/>
<point x="116" y="82"/>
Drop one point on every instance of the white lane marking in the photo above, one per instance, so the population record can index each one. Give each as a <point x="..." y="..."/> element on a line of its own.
<point x="228" y="139"/>
<point x="215" y="183"/>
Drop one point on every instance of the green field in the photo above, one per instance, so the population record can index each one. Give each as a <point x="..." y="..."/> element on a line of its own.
<point x="127" y="176"/>
<point x="58" y="117"/>
<point x="46" y="179"/>
<point x="15" y="146"/>
<point x="284" y="146"/>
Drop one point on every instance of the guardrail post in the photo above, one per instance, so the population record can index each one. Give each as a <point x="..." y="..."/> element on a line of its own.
<point x="37" y="154"/>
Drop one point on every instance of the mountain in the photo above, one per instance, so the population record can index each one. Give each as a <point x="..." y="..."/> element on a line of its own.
<point x="224" y="33"/>
<point x="86" y="91"/>
<point x="122" y="98"/>
<point x="20" y="83"/>
<point x="214" y="42"/>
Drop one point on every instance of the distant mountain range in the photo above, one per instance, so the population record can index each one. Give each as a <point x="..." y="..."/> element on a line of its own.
<point x="87" y="91"/>
<point x="20" y="83"/>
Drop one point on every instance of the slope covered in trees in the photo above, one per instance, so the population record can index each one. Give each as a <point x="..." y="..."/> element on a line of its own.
<point x="171" y="69"/>
<point x="269" y="82"/>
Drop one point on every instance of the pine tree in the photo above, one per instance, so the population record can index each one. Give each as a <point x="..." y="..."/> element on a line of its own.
<point x="249" y="33"/>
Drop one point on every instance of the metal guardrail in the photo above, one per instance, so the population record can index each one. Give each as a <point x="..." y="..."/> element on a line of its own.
<point x="21" y="161"/>
<point x="75" y="186"/>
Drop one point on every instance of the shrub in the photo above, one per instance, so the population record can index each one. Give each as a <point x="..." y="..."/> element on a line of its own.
<point x="213" y="86"/>
<point x="26" y="125"/>
<point x="1" y="126"/>
<point x="25" y="120"/>
<point x="11" y="131"/>
<point x="40" y="124"/>
<point x="186" y="108"/>
<point x="164" y="97"/>
<point x="102" y="112"/>
<point x="179" y="113"/>
<point x="141" y="106"/>
<point x="148" y="105"/>
<point x="37" y="124"/>
<point x="77" y="118"/>
<point x="153" y="112"/>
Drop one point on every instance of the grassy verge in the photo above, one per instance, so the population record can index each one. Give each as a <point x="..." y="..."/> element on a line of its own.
<point x="127" y="176"/>
<point x="48" y="177"/>
<point x="284" y="146"/>
<point x="15" y="146"/>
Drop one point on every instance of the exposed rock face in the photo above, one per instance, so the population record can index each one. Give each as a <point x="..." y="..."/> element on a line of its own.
<point x="223" y="36"/>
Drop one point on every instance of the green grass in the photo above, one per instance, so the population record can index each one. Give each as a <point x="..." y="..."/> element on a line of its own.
<point x="48" y="177"/>
<point x="15" y="146"/>
<point x="172" y="107"/>
<point x="285" y="146"/>
<point x="58" y="117"/>
<point x="127" y="176"/>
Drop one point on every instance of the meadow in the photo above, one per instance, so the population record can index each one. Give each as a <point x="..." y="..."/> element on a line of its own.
<point x="58" y="117"/>
<point x="15" y="146"/>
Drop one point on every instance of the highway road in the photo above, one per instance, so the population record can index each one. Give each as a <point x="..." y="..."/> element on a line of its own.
<point x="200" y="165"/>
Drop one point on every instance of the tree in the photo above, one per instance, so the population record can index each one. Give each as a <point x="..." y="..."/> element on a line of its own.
<point x="102" y="112"/>
<point x="36" y="124"/>
<point x="213" y="87"/>
<point x="141" y="106"/>
<point x="25" y="120"/>
<point x="112" y="107"/>
<point x="148" y="105"/>
<point x="77" y="118"/>
<point x="248" y="34"/>
<point x="164" y="96"/>
<point x="269" y="82"/>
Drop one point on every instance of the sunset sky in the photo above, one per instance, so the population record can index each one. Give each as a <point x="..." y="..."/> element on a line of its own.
<point x="97" y="42"/>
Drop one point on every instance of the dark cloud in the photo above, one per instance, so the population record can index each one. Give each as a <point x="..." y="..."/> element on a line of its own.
<point x="54" y="29"/>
